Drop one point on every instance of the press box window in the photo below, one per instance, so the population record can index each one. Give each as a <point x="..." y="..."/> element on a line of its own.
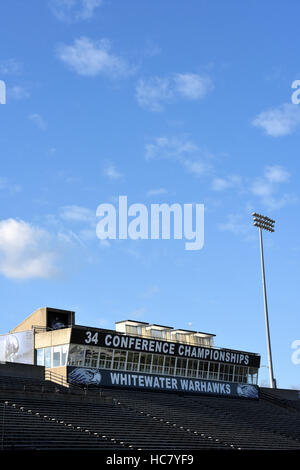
<point x="119" y="359"/>
<point x="145" y="362"/>
<point x="91" y="357"/>
<point x="47" y="357"/>
<point x="105" y="358"/>
<point x="169" y="368"/>
<point x="40" y="357"/>
<point x="64" y="354"/>
<point x="133" y="361"/>
<point x="76" y="355"/>
<point x="55" y="356"/>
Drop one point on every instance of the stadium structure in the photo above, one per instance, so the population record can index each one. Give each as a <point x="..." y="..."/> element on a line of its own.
<point x="139" y="387"/>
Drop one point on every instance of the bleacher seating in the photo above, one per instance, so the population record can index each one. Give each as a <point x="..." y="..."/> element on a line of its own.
<point x="237" y="423"/>
<point x="29" y="383"/>
<point x="43" y="415"/>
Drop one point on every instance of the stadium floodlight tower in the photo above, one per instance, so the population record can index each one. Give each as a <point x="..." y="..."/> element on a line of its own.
<point x="265" y="223"/>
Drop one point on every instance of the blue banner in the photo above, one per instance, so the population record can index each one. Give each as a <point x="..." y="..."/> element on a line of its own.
<point x="150" y="382"/>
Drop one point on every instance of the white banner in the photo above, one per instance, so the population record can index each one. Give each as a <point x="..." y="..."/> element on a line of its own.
<point x="17" y="347"/>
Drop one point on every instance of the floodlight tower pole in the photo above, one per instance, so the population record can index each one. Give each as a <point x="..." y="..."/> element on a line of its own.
<point x="272" y="383"/>
<point x="263" y="222"/>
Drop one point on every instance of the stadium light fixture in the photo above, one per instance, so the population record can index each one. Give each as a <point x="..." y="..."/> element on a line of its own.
<point x="265" y="223"/>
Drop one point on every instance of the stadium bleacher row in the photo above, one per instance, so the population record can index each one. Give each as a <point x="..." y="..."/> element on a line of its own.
<point x="38" y="414"/>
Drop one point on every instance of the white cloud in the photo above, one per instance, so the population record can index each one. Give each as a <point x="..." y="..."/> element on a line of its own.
<point x="38" y="120"/>
<point x="137" y="314"/>
<point x="52" y="151"/>
<point x="170" y="148"/>
<point x="25" y="251"/>
<point x="267" y="184"/>
<point x="262" y="187"/>
<point x="8" y="187"/>
<point x="193" y="158"/>
<point x="91" y="58"/>
<point x="266" y="188"/>
<point x="276" y="174"/>
<point x="74" y="10"/>
<point x="152" y="49"/>
<point x="235" y="223"/>
<point x="102" y="322"/>
<point x="83" y="220"/>
<point x="112" y="172"/>
<point x="18" y="92"/>
<point x="220" y="184"/>
<point x="192" y="86"/>
<point x="9" y="67"/>
<point x="156" y="192"/>
<point x="196" y="167"/>
<point x="75" y="213"/>
<point x="278" y="202"/>
<point x="280" y="121"/>
<point x="151" y="292"/>
<point x="71" y="238"/>
<point x="152" y="94"/>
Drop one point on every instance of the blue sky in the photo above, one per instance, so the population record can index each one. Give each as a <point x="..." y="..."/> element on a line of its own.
<point x="164" y="102"/>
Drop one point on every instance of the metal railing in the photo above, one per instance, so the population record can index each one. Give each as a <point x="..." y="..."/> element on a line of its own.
<point x="56" y="378"/>
<point x="60" y="380"/>
<point x="44" y="329"/>
<point x="184" y="339"/>
<point x="71" y="386"/>
<point x="186" y="342"/>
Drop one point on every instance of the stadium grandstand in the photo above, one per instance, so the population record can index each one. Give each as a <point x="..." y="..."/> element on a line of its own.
<point x="140" y="387"/>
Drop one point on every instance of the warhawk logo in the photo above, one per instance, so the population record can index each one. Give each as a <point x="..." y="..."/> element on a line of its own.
<point x="247" y="391"/>
<point x="83" y="376"/>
